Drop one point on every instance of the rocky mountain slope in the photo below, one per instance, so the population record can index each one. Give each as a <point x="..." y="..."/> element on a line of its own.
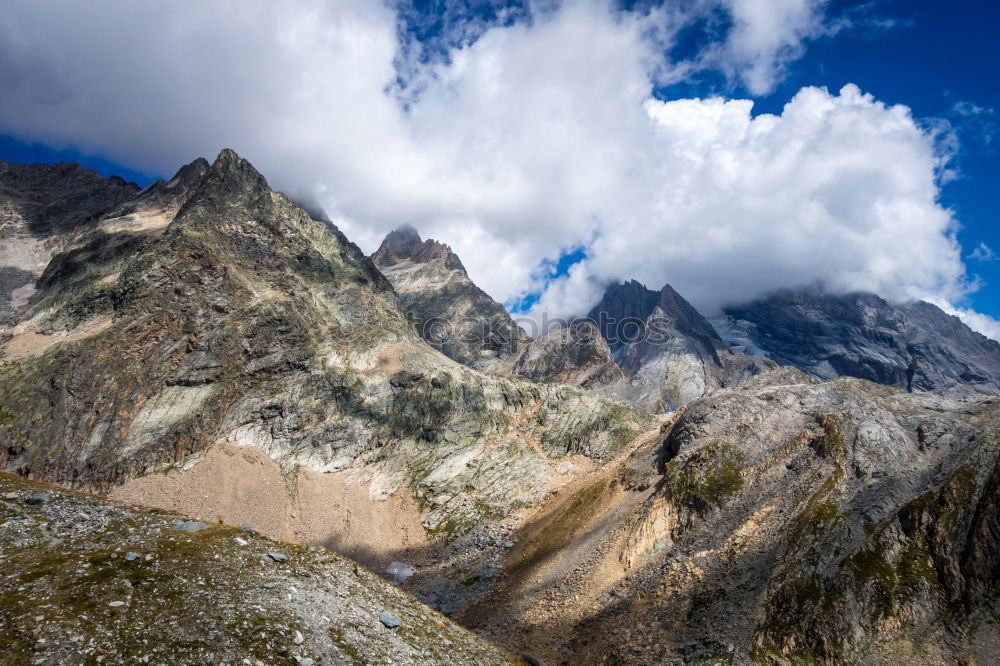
<point x="575" y="354"/>
<point x="913" y="345"/>
<point x="242" y="320"/>
<point x="80" y="576"/>
<point x="42" y="208"/>
<point x="450" y="312"/>
<point x="837" y="522"/>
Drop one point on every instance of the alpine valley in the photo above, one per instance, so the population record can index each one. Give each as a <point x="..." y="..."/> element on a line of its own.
<point x="810" y="477"/>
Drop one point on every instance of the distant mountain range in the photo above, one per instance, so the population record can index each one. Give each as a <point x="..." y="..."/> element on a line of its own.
<point x="810" y="478"/>
<point x="669" y="354"/>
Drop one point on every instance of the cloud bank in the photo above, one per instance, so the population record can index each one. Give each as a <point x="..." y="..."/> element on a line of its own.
<point x="521" y="135"/>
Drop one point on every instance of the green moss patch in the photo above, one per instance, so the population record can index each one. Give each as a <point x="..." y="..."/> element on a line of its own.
<point x="708" y="477"/>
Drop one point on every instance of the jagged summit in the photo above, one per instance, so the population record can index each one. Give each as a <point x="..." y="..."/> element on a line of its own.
<point x="189" y="172"/>
<point x="404" y="245"/>
<point x="621" y="308"/>
<point x="915" y="346"/>
<point x="451" y="313"/>
<point x="158" y="203"/>
<point x="668" y="351"/>
<point x="686" y="318"/>
<point x="230" y="173"/>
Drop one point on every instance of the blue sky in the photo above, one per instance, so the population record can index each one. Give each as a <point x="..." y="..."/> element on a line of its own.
<point x="939" y="59"/>
<point x="936" y="58"/>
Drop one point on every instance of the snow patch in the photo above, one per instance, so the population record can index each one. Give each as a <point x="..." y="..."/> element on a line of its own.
<point x="19" y="297"/>
<point x="399" y="572"/>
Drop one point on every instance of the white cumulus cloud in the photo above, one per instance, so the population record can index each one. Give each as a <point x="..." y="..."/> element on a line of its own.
<point x="983" y="253"/>
<point x="524" y="138"/>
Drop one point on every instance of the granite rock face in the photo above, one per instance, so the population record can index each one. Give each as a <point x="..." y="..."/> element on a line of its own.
<point x="915" y="345"/>
<point x="450" y="312"/>
<point x="243" y="320"/>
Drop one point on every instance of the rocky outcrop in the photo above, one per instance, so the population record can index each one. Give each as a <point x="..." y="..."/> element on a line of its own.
<point x="83" y="580"/>
<point x="861" y="498"/>
<point x="450" y="312"/>
<point x="244" y="320"/>
<point x="575" y="354"/>
<point x="915" y="345"/>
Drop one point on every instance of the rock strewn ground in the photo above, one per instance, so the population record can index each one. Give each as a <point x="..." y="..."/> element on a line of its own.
<point x="84" y="580"/>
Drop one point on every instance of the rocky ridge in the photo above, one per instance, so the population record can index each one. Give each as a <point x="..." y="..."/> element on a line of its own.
<point x="835" y="522"/>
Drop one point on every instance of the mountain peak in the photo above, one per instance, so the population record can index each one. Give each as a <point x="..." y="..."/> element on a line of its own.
<point x="451" y="313"/>
<point x="234" y="173"/>
<point x="686" y="318"/>
<point x="404" y="245"/>
<point x="228" y="155"/>
<point x="622" y="302"/>
<point x="198" y="167"/>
